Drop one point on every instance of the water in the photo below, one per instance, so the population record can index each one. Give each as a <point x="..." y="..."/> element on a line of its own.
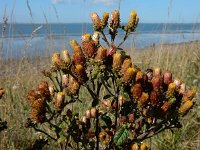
<point x="20" y="40"/>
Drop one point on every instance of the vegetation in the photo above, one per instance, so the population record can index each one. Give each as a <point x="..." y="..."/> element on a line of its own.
<point x="108" y="104"/>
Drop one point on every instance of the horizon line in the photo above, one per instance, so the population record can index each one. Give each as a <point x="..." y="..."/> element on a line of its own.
<point x="91" y="23"/>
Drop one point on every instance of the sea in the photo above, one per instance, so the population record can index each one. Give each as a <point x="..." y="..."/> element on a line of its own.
<point x="33" y="40"/>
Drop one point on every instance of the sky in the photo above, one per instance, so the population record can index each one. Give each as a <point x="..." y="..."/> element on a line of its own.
<point x="77" y="11"/>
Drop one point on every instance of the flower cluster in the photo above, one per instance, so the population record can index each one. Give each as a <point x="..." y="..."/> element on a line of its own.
<point x="126" y="104"/>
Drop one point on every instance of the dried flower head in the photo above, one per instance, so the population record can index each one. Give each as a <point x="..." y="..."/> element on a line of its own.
<point x="154" y="98"/>
<point x="78" y="58"/>
<point x="88" y="46"/>
<point x="139" y="76"/>
<point x="157" y="72"/>
<point x="117" y="61"/>
<point x="114" y="21"/>
<point x="73" y="86"/>
<point x="144" y="98"/>
<point x="156" y="83"/>
<point x="185" y="107"/>
<point x="37" y="116"/>
<point x="95" y="37"/>
<point x="104" y="20"/>
<point x="182" y="88"/>
<point x="101" y="54"/>
<point x="171" y="89"/>
<point x="59" y="101"/>
<point x="39" y="105"/>
<point x="51" y="90"/>
<point x="56" y="60"/>
<point x="66" y="57"/>
<point x="167" y="77"/>
<point x="79" y="72"/>
<point x="96" y="21"/>
<point x="136" y="90"/>
<point x="165" y="107"/>
<point x="128" y="75"/>
<point x="126" y="64"/>
<point x="132" y="21"/>
<point x="73" y="43"/>
<point x="112" y="50"/>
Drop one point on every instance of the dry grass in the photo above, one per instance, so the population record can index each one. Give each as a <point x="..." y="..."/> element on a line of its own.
<point x="19" y="76"/>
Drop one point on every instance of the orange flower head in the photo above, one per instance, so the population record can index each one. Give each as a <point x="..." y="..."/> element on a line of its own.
<point x="66" y="57"/>
<point x="96" y="21"/>
<point x="104" y="20"/>
<point x="129" y="75"/>
<point x="126" y="64"/>
<point x="101" y="54"/>
<point x="117" y="61"/>
<point x="185" y="107"/>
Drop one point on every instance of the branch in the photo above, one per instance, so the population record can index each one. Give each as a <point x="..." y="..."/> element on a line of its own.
<point x="105" y="39"/>
<point x="38" y="130"/>
<point x="124" y="39"/>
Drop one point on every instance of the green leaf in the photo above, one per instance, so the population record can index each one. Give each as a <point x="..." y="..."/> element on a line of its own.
<point x="61" y="139"/>
<point x="121" y="136"/>
<point x="107" y="121"/>
<point x="107" y="96"/>
<point x="126" y="96"/>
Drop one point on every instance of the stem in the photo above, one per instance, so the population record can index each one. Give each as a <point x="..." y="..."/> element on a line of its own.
<point x="97" y="129"/>
<point x="107" y="87"/>
<point x="124" y="39"/>
<point x="105" y="39"/>
<point x="38" y="130"/>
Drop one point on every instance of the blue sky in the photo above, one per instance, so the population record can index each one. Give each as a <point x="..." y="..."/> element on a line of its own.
<point x="68" y="11"/>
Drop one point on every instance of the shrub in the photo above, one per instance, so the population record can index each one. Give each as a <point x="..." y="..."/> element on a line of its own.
<point x="126" y="105"/>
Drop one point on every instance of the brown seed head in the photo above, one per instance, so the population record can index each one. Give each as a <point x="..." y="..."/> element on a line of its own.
<point x="112" y="50"/>
<point x="190" y="94"/>
<point x="128" y="75"/>
<point x="88" y="46"/>
<point x="154" y="97"/>
<point x="37" y="116"/>
<point x="78" y="58"/>
<point x="73" y="86"/>
<point x="66" y="57"/>
<point x="104" y="20"/>
<point x="165" y="107"/>
<point x="101" y="54"/>
<point x="139" y="76"/>
<point x="126" y="64"/>
<point x="73" y="43"/>
<point x="177" y="83"/>
<point x="114" y="21"/>
<point x="157" y="72"/>
<point x="182" y="88"/>
<point x="136" y="90"/>
<point x="167" y="77"/>
<point x="95" y="37"/>
<point x="144" y="98"/>
<point x="185" y="107"/>
<point x="156" y="83"/>
<point x="96" y="21"/>
<point x="117" y="61"/>
<point x="56" y="60"/>
<point x="132" y="21"/>
<point x="39" y="105"/>
<point x="171" y="89"/>
<point x="51" y="90"/>
<point x="59" y="101"/>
